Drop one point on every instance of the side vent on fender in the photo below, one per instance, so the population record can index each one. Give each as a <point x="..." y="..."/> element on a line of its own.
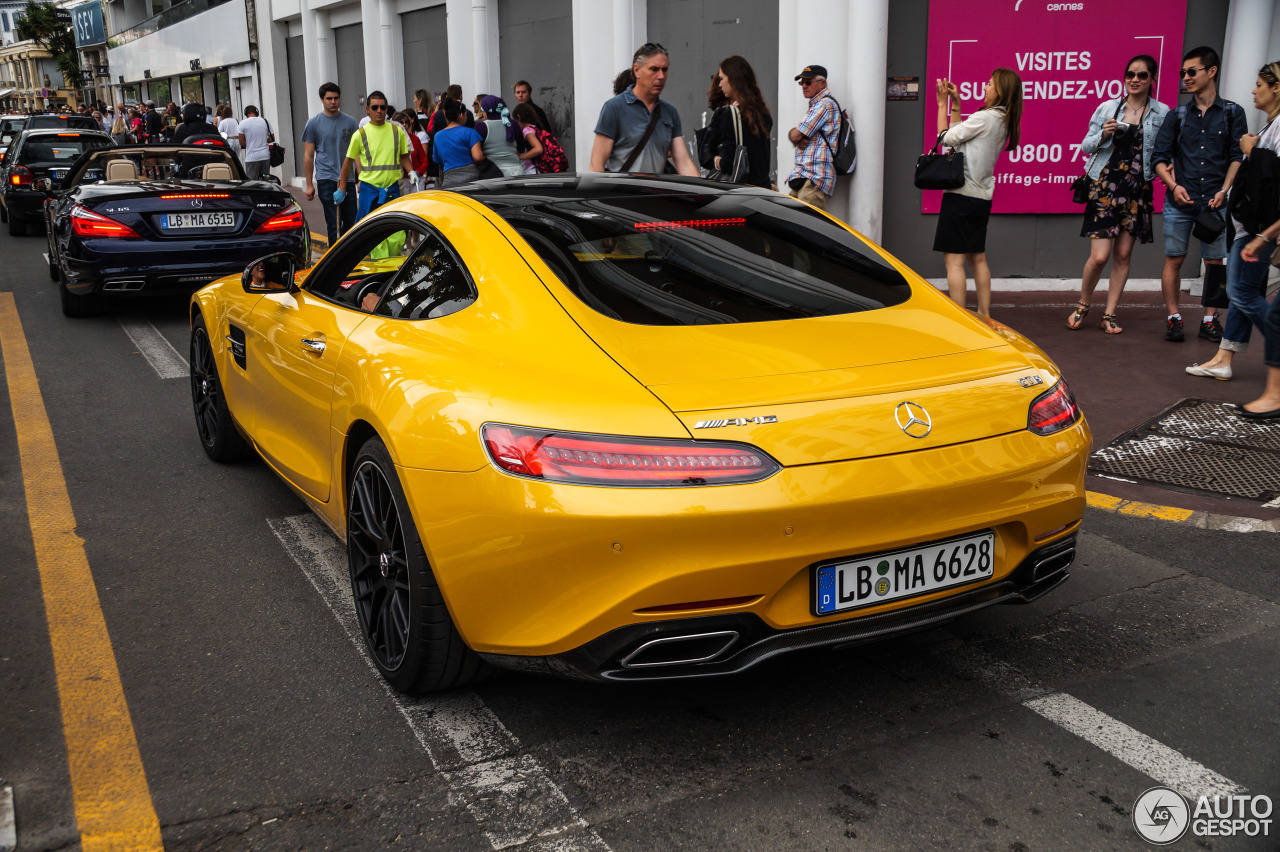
<point x="235" y="337"/>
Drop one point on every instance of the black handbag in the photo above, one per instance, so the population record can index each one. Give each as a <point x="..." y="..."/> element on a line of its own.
<point x="274" y="151"/>
<point x="1080" y="190"/>
<point x="1214" y="294"/>
<point x="1209" y="226"/>
<point x="739" y="165"/>
<point x="935" y="170"/>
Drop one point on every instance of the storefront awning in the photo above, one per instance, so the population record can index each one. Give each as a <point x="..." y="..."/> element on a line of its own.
<point x="4" y="93"/>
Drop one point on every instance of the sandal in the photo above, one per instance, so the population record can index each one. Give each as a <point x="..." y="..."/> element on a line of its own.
<point x="1077" y="317"/>
<point x="1109" y="325"/>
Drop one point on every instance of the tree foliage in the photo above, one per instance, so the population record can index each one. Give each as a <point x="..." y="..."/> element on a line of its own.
<point x="43" y="24"/>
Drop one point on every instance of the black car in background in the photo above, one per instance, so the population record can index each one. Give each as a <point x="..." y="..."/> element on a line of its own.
<point x="61" y="122"/>
<point x="138" y="220"/>
<point x="10" y="128"/>
<point x="37" y="161"/>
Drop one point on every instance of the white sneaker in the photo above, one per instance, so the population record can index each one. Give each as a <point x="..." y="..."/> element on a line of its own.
<point x="1222" y="374"/>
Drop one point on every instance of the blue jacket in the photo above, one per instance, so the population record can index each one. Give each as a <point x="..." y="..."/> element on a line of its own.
<point x="1100" y="152"/>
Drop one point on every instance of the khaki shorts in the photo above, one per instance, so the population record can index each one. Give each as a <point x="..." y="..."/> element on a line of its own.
<point x="810" y="194"/>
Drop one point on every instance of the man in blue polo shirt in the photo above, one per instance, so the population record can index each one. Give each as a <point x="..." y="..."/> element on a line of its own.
<point x="625" y="118"/>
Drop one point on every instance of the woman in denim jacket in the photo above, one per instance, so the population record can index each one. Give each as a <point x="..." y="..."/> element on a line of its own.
<point x="1120" y="207"/>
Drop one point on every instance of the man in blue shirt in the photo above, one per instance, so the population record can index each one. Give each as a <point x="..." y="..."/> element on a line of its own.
<point x="1202" y="142"/>
<point x="624" y="119"/>
<point x="325" y="140"/>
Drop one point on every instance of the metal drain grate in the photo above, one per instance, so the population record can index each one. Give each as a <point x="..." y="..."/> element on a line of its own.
<point x="1198" y="445"/>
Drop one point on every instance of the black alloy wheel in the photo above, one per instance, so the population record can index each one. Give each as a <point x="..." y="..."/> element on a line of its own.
<point x="221" y="440"/>
<point x="403" y="617"/>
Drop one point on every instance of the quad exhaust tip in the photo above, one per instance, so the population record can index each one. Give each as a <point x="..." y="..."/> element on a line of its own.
<point x="680" y="650"/>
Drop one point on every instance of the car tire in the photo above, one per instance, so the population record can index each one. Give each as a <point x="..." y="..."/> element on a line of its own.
<point x="403" y="617"/>
<point x="73" y="304"/>
<point x="17" y="228"/>
<point x="219" y="436"/>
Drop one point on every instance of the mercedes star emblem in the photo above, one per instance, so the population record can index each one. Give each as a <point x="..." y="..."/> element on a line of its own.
<point x="197" y="203"/>
<point x="913" y="419"/>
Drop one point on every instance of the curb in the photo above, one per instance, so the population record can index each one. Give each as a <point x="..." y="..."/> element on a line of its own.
<point x="1201" y="520"/>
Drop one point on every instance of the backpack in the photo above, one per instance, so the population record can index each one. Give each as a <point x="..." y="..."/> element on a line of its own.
<point x="553" y="158"/>
<point x="844" y="155"/>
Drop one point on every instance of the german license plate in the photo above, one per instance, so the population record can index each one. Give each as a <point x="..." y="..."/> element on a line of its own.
<point x="884" y="577"/>
<point x="198" y="220"/>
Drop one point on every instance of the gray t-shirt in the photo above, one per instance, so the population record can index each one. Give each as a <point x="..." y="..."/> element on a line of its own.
<point x="331" y="136"/>
<point x="623" y="118"/>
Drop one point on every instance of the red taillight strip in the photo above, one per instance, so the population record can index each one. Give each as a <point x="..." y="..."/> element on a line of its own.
<point x="622" y="461"/>
<point x="1054" y="410"/>
<point x="287" y="220"/>
<point x="86" y="223"/>
<point x="689" y="223"/>
<point x="199" y="195"/>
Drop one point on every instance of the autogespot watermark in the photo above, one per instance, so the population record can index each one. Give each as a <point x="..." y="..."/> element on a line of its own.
<point x="1163" y="816"/>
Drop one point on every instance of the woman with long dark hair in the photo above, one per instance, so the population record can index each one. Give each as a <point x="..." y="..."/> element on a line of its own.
<point x="745" y="108"/>
<point x="961" y="234"/>
<point x="1120" y="144"/>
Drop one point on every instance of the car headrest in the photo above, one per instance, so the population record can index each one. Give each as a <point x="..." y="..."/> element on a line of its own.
<point x="121" y="170"/>
<point x="217" y="171"/>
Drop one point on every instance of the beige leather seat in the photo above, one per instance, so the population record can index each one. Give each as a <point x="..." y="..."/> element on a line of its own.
<point x="217" y="171"/>
<point x="121" y="170"/>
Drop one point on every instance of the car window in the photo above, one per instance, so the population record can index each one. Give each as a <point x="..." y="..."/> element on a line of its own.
<point x="363" y="262"/>
<point x="702" y="260"/>
<point x="431" y="284"/>
<point x="57" y="150"/>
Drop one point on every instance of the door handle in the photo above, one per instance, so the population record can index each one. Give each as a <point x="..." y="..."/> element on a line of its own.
<point x="316" y="346"/>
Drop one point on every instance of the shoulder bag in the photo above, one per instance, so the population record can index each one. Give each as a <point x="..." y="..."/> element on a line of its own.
<point x="936" y="170"/>
<point x="276" y="152"/>
<point x="739" y="165"/>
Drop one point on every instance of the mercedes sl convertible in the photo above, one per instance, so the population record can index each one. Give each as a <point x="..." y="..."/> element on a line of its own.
<point x="627" y="427"/>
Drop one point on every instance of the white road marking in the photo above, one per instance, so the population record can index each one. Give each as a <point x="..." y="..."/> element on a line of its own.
<point x="8" y="826"/>
<point x="156" y="348"/>
<point x="509" y="794"/>
<point x="1128" y="745"/>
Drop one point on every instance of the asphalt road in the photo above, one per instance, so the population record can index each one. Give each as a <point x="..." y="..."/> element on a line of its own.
<point x="261" y="726"/>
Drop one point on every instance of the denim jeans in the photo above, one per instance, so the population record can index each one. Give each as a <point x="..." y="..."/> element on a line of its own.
<point x="338" y="218"/>
<point x="1247" y="289"/>
<point x="373" y="197"/>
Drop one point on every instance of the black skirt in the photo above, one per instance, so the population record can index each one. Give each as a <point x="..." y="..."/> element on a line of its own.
<point x="962" y="225"/>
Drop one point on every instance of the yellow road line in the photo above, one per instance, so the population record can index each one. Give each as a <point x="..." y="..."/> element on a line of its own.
<point x="1136" y="508"/>
<point x="108" y="783"/>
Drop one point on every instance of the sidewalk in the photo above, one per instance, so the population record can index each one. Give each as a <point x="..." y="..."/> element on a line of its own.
<point x="1121" y="381"/>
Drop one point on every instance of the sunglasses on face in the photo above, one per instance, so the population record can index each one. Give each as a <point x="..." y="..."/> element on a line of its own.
<point x="1137" y="75"/>
<point x="1190" y="72"/>
<point x="378" y="107"/>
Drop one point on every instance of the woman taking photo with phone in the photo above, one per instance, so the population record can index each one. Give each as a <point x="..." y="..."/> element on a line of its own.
<point x="1120" y="144"/>
<point x="1248" y="263"/>
<point x="962" y="223"/>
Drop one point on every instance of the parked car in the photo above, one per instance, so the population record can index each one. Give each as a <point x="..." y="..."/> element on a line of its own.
<point x="138" y="220"/>
<point x="10" y="127"/>
<point x="37" y="161"/>
<point x="632" y="427"/>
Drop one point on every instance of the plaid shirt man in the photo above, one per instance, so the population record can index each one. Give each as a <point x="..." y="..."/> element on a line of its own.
<point x="822" y="125"/>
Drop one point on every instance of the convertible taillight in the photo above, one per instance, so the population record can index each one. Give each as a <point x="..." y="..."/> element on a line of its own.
<point x="1054" y="410"/>
<point x="86" y="223"/>
<point x="286" y="220"/>
<point x="20" y="176"/>
<point x="613" y="460"/>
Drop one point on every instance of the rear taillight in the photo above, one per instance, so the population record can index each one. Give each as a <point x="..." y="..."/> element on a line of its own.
<point x="86" y="223"/>
<point x="631" y="462"/>
<point x="20" y="176"/>
<point x="1054" y="410"/>
<point x="286" y="220"/>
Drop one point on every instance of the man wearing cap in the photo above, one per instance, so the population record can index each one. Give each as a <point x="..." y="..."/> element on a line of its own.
<point x="813" y="178"/>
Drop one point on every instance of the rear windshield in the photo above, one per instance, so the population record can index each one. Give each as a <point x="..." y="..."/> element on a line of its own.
<point x="42" y="122"/>
<point x="704" y="260"/>
<point x="58" y="150"/>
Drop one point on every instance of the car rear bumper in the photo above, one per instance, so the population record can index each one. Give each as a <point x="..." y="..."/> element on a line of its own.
<point x="531" y="569"/>
<point x="147" y="267"/>
<point x="727" y="644"/>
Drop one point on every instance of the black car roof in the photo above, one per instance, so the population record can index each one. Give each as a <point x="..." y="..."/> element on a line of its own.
<point x="63" y="131"/>
<point x="572" y="186"/>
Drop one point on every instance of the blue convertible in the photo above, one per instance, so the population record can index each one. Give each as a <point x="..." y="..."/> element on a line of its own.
<point x="162" y="218"/>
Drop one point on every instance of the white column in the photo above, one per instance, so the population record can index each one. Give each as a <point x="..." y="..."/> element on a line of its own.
<point x="461" y="61"/>
<point x="311" y="55"/>
<point x="1249" y="24"/>
<point x="326" y="50"/>
<point x="867" y="62"/>
<point x="389" y="32"/>
<point x="370" y="17"/>
<point x="597" y="60"/>
<point x="480" y="47"/>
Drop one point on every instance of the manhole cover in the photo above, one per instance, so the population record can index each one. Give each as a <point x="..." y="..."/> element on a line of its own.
<point x="1198" y="445"/>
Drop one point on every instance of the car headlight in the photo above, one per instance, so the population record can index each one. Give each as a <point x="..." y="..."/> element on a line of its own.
<point x="585" y="459"/>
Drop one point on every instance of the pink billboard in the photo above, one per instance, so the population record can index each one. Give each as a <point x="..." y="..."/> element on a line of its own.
<point x="1070" y="60"/>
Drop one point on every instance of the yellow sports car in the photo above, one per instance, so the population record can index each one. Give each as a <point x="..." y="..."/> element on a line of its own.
<point x="636" y="427"/>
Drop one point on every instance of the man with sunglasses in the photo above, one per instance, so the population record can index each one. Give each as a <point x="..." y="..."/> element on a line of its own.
<point x="381" y="148"/>
<point x="1201" y="141"/>
<point x="813" y="178"/>
<point x="637" y="131"/>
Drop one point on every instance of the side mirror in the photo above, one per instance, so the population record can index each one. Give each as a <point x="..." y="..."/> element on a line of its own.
<point x="271" y="274"/>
